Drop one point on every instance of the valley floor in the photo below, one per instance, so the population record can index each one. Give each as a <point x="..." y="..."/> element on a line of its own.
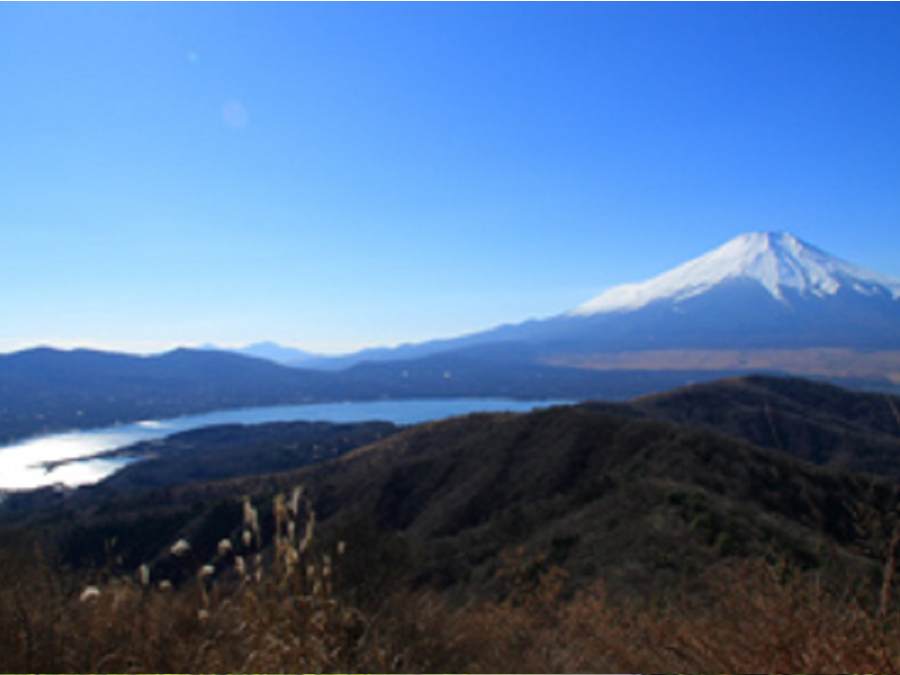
<point x="823" y="362"/>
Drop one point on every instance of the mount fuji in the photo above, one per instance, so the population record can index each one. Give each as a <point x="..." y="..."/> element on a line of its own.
<point x="758" y="291"/>
<point x="777" y="261"/>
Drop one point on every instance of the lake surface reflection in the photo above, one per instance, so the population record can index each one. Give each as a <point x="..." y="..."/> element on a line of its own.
<point x="22" y="464"/>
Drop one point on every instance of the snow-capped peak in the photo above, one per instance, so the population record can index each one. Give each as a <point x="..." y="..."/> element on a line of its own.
<point x="776" y="260"/>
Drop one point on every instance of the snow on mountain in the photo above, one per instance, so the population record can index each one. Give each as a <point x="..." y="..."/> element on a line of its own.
<point x="778" y="261"/>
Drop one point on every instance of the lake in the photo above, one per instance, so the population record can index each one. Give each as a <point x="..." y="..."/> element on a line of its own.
<point x="22" y="463"/>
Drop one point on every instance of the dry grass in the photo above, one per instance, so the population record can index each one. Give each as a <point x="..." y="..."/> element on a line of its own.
<point x="753" y="618"/>
<point x="245" y="610"/>
<point x="281" y="610"/>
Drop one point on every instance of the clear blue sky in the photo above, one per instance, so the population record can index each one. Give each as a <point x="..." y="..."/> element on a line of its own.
<point x="334" y="176"/>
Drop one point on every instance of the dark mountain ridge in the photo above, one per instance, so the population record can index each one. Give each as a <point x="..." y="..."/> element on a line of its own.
<point x="813" y="421"/>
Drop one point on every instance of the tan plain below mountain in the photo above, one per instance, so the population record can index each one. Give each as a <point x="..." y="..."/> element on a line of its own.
<point x="825" y="362"/>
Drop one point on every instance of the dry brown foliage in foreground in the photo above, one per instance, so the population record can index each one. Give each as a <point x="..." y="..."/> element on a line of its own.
<point x="283" y="611"/>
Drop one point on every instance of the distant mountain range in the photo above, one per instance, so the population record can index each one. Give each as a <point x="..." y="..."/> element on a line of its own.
<point x="759" y="291"/>
<point x="47" y="389"/>
<point x="764" y="301"/>
<point x="271" y="351"/>
<point x="44" y="390"/>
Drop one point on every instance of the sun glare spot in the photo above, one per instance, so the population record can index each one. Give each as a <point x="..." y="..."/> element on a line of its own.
<point x="235" y="115"/>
